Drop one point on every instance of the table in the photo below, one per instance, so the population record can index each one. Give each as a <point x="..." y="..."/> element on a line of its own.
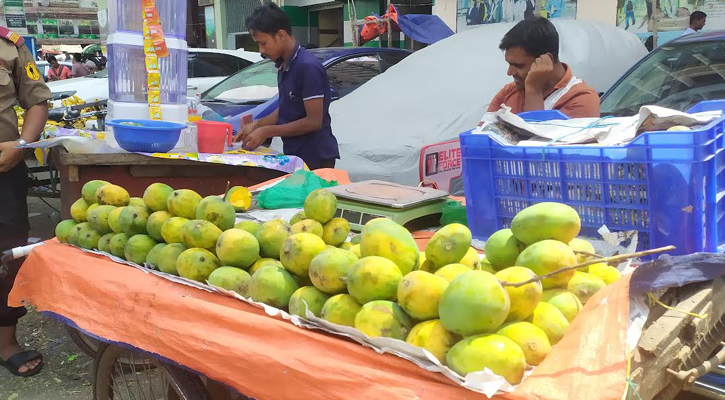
<point x="135" y="172"/>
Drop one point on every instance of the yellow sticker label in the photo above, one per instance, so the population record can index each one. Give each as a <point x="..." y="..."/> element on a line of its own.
<point x="152" y="62"/>
<point x="154" y="79"/>
<point x="32" y="71"/>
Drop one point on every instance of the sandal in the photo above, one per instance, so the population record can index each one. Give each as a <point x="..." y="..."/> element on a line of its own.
<point x="14" y="363"/>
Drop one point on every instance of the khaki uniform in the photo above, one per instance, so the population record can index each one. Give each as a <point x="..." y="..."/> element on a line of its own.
<point x="20" y="82"/>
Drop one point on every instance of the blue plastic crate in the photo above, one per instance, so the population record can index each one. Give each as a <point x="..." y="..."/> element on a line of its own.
<point x="666" y="185"/>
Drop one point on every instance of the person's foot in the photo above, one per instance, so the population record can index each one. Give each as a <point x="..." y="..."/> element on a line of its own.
<point x="8" y="351"/>
<point x="9" y="347"/>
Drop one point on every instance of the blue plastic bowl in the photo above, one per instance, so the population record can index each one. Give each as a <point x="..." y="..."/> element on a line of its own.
<point x="150" y="137"/>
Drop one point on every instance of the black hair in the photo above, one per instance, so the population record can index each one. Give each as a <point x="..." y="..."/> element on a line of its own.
<point x="268" y="19"/>
<point x="536" y="35"/>
<point x="697" y="16"/>
<point x="77" y="57"/>
<point x="650" y="43"/>
<point x="51" y="59"/>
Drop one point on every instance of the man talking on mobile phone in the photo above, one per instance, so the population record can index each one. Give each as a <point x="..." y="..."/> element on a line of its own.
<point x="541" y="80"/>
<point x="302" y="119"/>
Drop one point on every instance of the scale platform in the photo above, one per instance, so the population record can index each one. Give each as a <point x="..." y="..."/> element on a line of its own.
<point x="413" y="207"/>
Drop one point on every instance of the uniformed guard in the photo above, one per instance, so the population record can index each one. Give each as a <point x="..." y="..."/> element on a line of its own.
<point x="20" y="82"/>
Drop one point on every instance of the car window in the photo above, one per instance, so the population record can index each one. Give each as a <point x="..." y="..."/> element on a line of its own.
<point x="388" y="59"/>
<point x="206" y="65"/>
<point x="675" y="76"/>
<point x="351" y="73"/>
<point x="257" y="82"/>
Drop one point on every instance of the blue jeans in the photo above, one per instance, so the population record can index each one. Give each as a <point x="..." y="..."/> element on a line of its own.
<point x="630" y="14"/>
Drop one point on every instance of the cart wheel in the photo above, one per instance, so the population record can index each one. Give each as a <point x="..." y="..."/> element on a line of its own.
<point x="122" y="374"/>
<point x="86" y="343"/>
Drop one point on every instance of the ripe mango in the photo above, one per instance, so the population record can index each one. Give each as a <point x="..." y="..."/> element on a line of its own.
<point x="385" y="238"/>
<point x="300" y="216"/>
<point x="217" y="211"/>
<point x="584" y="285"/>
<point x="79" y="210"/>
<point x="544" y="221"/>
<point x="273" y="286"/>
<point x="156" y="196"/>
<point x="373" y="278"/>
<point x="577" y="244"/>
<point x="564" y="300"/>
<point x="113" y="220"/>
<point x="335" y="231"/>
<point x="298" y="251"/>
<point x="532" y="340"/>
<point x="87" y="236"/>
<point x="138" y="247"/>
<point x="171" y="229"/>
<point x="307" y="298"/>
<point x="231" y="278"/>
<point x="605" y="272"/>
<point x="89" y="189"/>
<point x="249" y="226"/>
<point x="419" y="293"/>
<point x="550" y="320"/>
<point x="449" y="245"/>
<point x="498" y="353"/>
<point x="548" y="256"/>
<point x="382" y="318"/>
<point x="308" y="226"/>
<point x="502" y="249"/>
<point x="118" y="244"/>
<point x="132" y="220"/>
<point x="63" y="230"/>
<point x="329" y="269"/>
<point x="168" y="256"/>
<point x="240" y="198"/>
<point x="152" y="258"/>
<point x="340" y="309"/>
<point x="271" y="236"/>
<point x="320" y="205"/>
<point x="524" y="299"/>
<point x="155" y="222"/>
<point x="183" y="202"/>
<point x="264" y="262"/>
<point x="434" y="337"/>
<point x="237" y="248"/>
<point x="197" y="264"/>
<point x="472" y="259"/>
<point x="474" y="303"/>
<point x="112" y="195"/>
<point x="201" y="234"/>
<point x="452" y="271"/>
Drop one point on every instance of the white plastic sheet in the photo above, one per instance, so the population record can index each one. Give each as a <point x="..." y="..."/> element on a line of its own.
<point x="442" y="90"/>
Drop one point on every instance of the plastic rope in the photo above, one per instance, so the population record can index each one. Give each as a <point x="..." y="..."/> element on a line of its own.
<point x="631" y="386"/>
<point x="656" y="301"/>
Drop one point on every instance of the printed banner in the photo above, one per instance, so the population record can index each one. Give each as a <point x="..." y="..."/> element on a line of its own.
<point x="637" y="16"/>
<point x="472" y="13"/>
<point x="440" y="163"/>
<point x="15" y="16"/>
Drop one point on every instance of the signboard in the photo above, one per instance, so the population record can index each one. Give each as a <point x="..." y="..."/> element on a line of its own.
<point x="15" y="15"/>
<point x="440" y="163"/>
<point x="472" y="13"/>
<point x="636" y="16"/>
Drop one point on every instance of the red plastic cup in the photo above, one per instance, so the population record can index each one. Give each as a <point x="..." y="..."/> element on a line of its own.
<point x="212" y="135"/>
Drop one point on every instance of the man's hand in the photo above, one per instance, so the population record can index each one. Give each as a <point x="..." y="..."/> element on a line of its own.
<point x="257" y="137"/>
<point x="10" y="156"/>
<point x="540" y="73"/>
<point x="246" y="130"/>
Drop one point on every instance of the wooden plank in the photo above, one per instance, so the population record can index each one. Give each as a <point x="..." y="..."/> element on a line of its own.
<point x="119" y="159"/>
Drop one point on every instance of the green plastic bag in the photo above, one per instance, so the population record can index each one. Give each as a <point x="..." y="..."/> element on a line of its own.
<point x="292" y="192"/>
<point x="454" y="212"/>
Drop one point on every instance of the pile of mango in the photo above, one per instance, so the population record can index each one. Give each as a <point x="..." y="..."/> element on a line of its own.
<point x="447" y="299"/>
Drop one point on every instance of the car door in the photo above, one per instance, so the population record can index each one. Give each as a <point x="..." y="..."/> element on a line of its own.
<point x="208" y="69"/>
<point x="349" y="73"/>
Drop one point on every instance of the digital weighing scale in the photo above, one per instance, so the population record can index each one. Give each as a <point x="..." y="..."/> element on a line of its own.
<point x="413" y="207"/>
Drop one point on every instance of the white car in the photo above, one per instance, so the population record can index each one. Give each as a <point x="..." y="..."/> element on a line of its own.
<point x="207" y="67"/>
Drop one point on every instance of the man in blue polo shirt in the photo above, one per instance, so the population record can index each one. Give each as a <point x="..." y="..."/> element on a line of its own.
<point x="302" y="119"/>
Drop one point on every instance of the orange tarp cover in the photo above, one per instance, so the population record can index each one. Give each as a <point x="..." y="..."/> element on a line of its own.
<point x="271" y="359"/>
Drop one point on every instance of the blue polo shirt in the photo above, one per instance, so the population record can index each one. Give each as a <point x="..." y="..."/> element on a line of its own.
<point x="304" y="78"/>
